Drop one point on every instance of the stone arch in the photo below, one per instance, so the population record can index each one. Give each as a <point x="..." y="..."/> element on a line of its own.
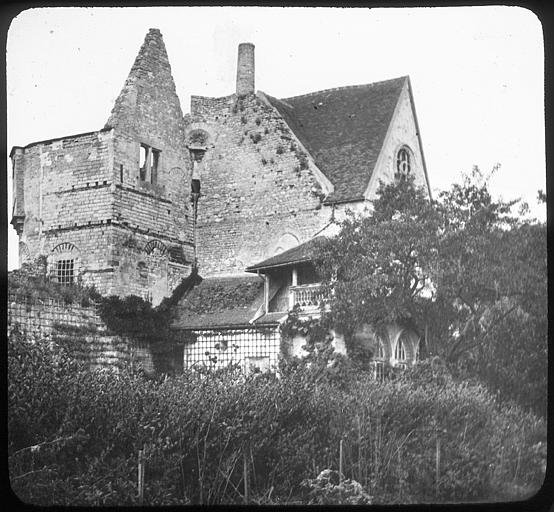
<point x="155" y="245"/>
<point x="199" y="134"/>
<point x="64" y="263"/>
<point x="287" y="240"/>
<point x="369" y="337"/>
<point x="64" y="248"/>
<point x="198" y="137"/>
<point x="409" y="340"/>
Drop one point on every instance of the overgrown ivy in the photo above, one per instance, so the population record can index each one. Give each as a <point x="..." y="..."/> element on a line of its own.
<point x="135" y="317"/>
<point x="31" y="281"/>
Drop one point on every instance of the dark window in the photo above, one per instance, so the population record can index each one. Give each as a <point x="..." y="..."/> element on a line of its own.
<point x="195" y="186"/>
<point x="403" y="164"/>
<point x="65" y="271"/>
<point x="155" y="163"/>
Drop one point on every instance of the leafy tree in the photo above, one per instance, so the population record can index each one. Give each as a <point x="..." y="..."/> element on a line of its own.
<point x="463" y="270"/>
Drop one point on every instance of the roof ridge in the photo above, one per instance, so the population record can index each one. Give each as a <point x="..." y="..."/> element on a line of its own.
<point x="403" y="77"/>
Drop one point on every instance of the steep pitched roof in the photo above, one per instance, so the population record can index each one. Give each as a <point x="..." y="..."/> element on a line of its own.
<point x="298" y="254"/>
<point x="344" y="130"/>
<point x="220" y="302"/>
<point x="149" y="89"/>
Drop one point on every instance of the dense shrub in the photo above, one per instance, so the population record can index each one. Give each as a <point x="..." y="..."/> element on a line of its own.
<point x="31" y="281"/>
<point x="74" y="435"/>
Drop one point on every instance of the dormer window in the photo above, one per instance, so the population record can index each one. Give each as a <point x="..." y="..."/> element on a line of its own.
<point x="403" y="161"/>
<point x="149" y="164"/>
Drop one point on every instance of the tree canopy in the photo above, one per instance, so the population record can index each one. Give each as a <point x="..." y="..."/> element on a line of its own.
<point x="463" y="271"/>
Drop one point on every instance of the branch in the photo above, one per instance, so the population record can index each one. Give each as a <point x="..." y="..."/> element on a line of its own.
<point x="470" y="306"/>
<point x="37" y="447"/>
<point x="32" y="472"/>
<point x="504" y="315"/>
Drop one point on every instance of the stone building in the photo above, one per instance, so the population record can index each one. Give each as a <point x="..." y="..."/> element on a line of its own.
<point x="112" y="207"/>
<point x="238" y="188"/>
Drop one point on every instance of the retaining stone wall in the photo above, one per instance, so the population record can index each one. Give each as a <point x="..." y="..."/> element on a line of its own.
<point x="77" y="327"/>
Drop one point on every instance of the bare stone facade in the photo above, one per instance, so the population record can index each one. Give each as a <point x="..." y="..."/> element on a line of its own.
<point x="259" y="186"/>
<point x="112" y="207"/>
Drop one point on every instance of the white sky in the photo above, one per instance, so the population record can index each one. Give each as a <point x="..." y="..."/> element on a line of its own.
<point x="477" y="73"/>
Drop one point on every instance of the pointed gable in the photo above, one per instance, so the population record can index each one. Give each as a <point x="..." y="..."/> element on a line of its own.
<point x="148" y="103"/>
<point x="344" y="130"/>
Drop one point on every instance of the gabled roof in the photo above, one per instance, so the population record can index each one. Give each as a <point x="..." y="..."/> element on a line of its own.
<point x="219" y="302"/>
<point x="300" y="253"/>
<point x="344" y="130"/>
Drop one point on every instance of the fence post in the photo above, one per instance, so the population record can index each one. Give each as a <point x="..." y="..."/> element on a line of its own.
<point x="246" y="481"/>
<point x="437" y="462"/>
<point x="340" y="461"/>
<point x="140" y="476"/>
<point x="360" y="477"/>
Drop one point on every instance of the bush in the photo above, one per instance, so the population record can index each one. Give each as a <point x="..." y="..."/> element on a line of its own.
<point x="74" y="435"/>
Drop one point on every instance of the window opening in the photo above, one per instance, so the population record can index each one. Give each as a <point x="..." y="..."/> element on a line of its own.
<point x="400" y="355"/>
<point x="144" y="156"/>
<point x="250" y="348"/>
<point x="65" y="271"/>
<point x="378" y="362"/>
<point x="155" y="163"/>
<point x="403" y="164"/>
<point x="149" y="161"/>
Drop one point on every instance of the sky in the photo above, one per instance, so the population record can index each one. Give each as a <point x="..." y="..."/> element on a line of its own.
<point x="477" y="74"/>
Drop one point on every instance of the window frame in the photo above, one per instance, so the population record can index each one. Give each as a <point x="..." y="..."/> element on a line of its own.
<point x="378" y="362"/>
<point x="65" y="271"/>
<point x="149" y="166"/>
<point x="400" y="355"/>
<point x="402" y="163"/>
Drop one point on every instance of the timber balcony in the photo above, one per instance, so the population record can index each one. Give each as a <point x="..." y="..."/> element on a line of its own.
<point x="310" y="297"/>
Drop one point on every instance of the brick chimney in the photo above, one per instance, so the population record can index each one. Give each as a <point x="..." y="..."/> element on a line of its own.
<point x="245" y="69"/>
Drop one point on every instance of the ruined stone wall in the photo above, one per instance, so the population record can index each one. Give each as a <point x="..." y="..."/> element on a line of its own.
<point x="78" y="328"/>
<point x="66" y="188"/>
<point x="82" y="198"/>
<point x="257" y="184"/>
<point x="152" y="211"/>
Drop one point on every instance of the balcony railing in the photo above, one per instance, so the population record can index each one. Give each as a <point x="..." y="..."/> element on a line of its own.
<point x="308" y="296"/>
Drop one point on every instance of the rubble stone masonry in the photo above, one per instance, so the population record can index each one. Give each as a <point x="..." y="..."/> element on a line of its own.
<point x="258" y="184"/>
<point x="86" y="198"/>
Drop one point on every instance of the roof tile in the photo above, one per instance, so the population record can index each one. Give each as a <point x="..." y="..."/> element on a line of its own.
<point x="220" y="302"/>
<point x="302" y="252"/>
<point x="344" y="130"/>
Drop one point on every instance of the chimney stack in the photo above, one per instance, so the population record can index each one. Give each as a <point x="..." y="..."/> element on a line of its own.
<point x="245" y="69"/>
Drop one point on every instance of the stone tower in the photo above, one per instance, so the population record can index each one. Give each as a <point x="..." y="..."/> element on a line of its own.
<point x="111" y="208"/>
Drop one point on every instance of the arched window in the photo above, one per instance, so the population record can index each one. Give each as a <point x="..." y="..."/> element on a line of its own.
<point x="64" y="267"/>
<point x="403" y="161"/>
<point x="400" y="354"/>
<point x="378" y="362"/>
<point x="286" y="241"/>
